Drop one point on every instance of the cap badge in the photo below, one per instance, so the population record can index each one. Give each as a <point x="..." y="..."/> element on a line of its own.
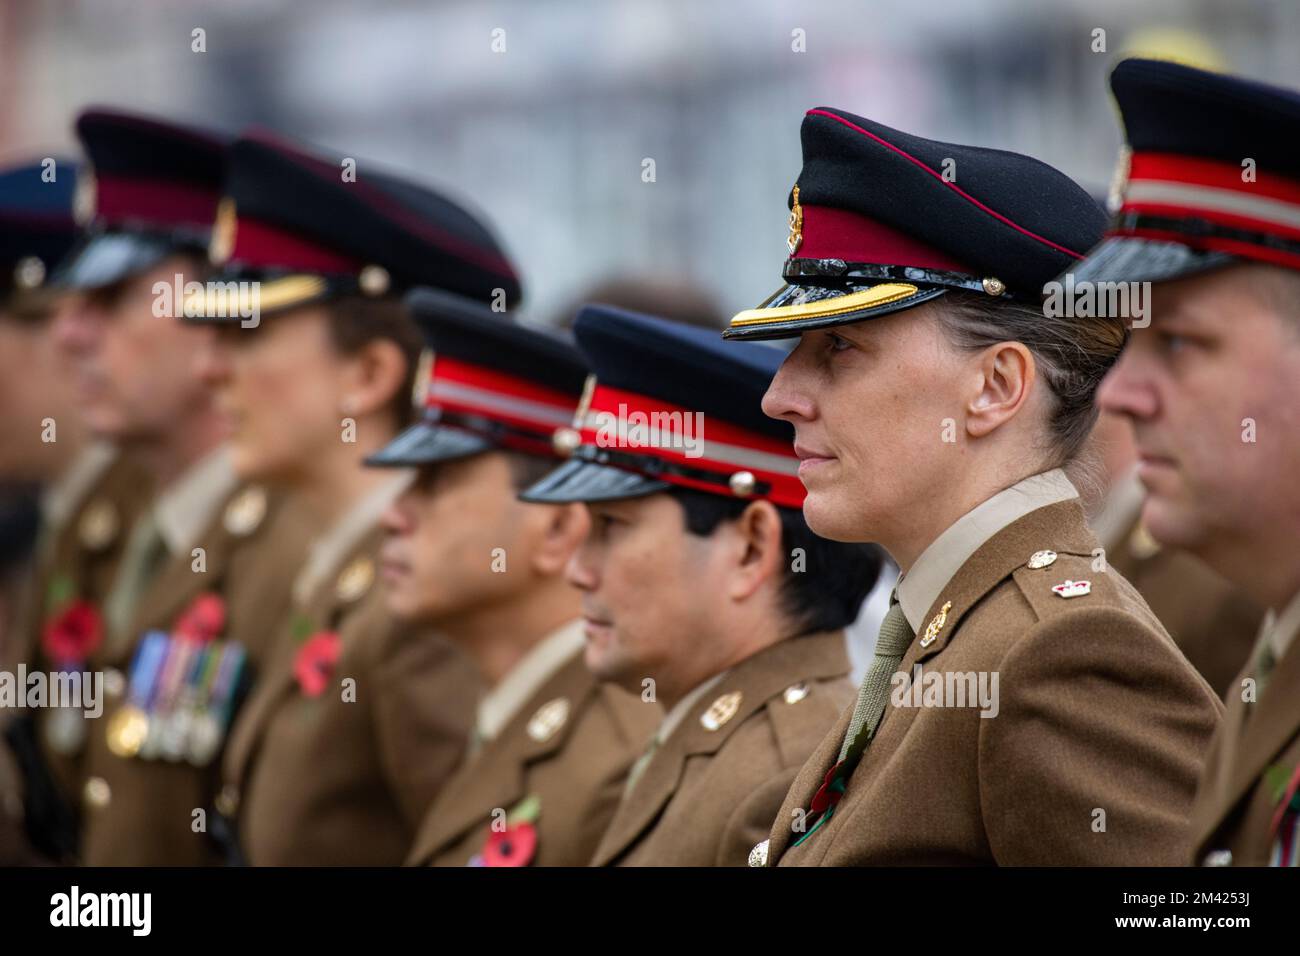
<point x="98" y="525"/>
<point x="374" y="280"/>
<point x="548" y="719"/>
<point x="222" y="244"/>
<point x="795" y="239"/>
<point x="245" y="511"/>
<point x="936" y="624"/>
<point x="1119" y="180"/>
<point x="29" y="272"/>
<point x="584" y="403"/>
<point x="994" y="286"/>
<point x="423" y="380"/>
<point x="721" y="710"/>
<point x="83" y="198"/>
<point x="355" y="579"/>
<point x="1071" y="589"/>
<point x="1042" y="559"/>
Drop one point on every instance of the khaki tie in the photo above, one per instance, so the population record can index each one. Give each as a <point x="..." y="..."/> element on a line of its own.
<point x="891" y="644"/>
<point x="141" y="558"/>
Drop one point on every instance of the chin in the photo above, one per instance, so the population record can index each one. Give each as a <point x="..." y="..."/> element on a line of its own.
<point x="828" y="518"/>
<point x="1172" y="523"/>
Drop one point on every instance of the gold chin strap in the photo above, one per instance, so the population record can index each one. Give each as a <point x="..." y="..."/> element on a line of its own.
<point x="215" y="300"/>
<point x="877" y="295"/>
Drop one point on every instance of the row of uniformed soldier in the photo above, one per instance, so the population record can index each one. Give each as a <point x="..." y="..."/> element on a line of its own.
<point x="589" y="606"/>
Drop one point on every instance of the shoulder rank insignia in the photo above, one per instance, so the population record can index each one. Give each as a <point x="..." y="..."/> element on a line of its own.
<point x="721" y="710"/>
<point x="245" y="511"/>
<point x="1071" y="589"/>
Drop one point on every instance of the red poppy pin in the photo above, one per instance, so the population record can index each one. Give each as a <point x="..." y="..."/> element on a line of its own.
<point x="315" y="662"/>
<point x="516" y="843"/>
<point x="203" y="620"/>
<point x="73" y="634"/>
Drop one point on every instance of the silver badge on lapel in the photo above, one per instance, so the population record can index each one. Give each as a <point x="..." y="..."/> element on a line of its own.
<point x="721" y="710"/>
<point x="245" y="511"/>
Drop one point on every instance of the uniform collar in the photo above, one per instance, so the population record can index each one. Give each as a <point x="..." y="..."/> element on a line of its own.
<point x="684" y="706"/>
<point x="939" y="563"/>
<point x="62" y="495"/>
<point x="544" y="659"/>
<point x="1281" y="627"/>
<point x="327" y="552"/>
<point x="190" y="503"/>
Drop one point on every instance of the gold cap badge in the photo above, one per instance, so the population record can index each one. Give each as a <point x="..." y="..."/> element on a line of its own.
<point x="795" y="239"/>
<point x="222" y="244"/>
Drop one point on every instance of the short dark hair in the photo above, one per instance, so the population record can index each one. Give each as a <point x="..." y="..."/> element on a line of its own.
<point x="355" y="321"/>
<point x="837" y="576"/>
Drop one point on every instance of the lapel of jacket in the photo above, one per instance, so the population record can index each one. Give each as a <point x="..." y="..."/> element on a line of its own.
<point x="1253" y="734"/>
<point x="174" y="586"/>
<point x="1060" y="527"/>
<point x="757" y="680"/>
<point x="277" y="679"/>
<point x="496" y="778"/>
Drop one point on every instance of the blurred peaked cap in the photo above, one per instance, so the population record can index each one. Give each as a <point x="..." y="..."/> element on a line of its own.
<point x="291" y="213"/>
<point x="485" y="383"/>
<point x="680" y="364"/>
<point x="465" y="329"/>
<point x="36" y="224"/>
<point x="882" y="220"/>
<point x="1210" y="174"/>
<point x="670" y="406"/>
<point x="149" y="188"/>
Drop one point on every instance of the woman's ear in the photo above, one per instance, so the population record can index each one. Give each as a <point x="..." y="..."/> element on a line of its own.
<point x="758" y="551"/>
<point x="377" y="374"/>
<point x="1004" y="377"/>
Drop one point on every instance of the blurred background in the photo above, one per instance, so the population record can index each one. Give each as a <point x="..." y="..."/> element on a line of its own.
<point x="542" y="115"/>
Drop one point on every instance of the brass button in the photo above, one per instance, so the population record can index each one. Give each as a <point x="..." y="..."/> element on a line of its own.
<point x="114" y="683"/>
<point x="228" y="800"/>
<point x="97" y="793"/>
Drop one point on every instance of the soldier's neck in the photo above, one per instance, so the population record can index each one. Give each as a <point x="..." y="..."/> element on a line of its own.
<point x="498" y="636"/>
<point x="170" y="455"/>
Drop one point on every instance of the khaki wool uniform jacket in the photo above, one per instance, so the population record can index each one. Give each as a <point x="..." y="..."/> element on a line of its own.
<point x="157" y="812"/>
<point x="1247" y="802"/>
<point x="344" y="777"/>
<point x="1100" y="729"/>
<point x="81" y="553"/>
<point x="1211" y="620"/>
<point x="714" y="785"/>
<point x="566" y="750"/>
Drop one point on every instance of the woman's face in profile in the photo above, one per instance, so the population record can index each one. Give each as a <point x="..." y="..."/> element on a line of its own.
<point x="877" y="408"/>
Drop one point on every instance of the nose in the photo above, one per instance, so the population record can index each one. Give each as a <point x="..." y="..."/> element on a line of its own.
<point x="581" y="569"/>
<point x="396" y="519"/>
<point x="1128" y="389"/>
<point x="214" y="359"/>
<point x="788" y="397"/>
<point x="76" y="325"/>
